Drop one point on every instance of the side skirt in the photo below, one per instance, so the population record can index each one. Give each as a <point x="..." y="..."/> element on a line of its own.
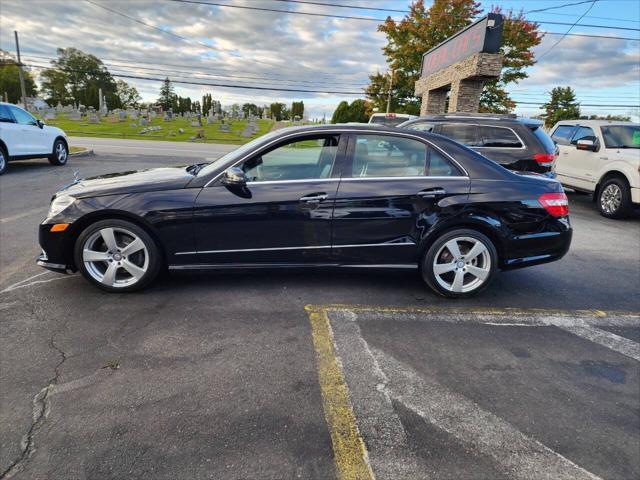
<point x="241" y="266"/>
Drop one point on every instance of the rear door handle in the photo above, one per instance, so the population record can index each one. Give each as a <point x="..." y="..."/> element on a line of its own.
<point x="432" y="192"/>
<point x="314" y="198"/>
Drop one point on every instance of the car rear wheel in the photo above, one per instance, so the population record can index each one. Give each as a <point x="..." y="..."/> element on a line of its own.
<point x="614" y="198"/>
<point x="3" y="160"/>
<point x="117" y="256"/>
<point x="460" y="263"/>
<point x="60" y="153"/>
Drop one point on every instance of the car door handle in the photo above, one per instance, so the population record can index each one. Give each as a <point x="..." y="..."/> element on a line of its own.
<point x="314" y="198"/>
<point x="432" y="192"/>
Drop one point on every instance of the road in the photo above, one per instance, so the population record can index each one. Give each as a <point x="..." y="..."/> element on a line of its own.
<point x="259" y="374"/>
<point x="110" y="146"/>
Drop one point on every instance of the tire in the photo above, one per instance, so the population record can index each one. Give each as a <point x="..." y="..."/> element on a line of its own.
<point x="102" y="256"/>
<point x="614" y="198"/>
<point x="59" y="154"/>
<point x="4" y="160"/>
<point x="474" y="273"/>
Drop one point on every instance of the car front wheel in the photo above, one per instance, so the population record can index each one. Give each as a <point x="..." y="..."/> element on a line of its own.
<point x="460" y="263"/>
<point x="60" y="153"/>
<point x="614" y="198"/>
<point x="117" y="256"/>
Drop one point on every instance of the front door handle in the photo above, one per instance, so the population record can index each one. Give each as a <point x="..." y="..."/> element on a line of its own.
<point x="432" y="192"/>
<point x="314" y="198"/>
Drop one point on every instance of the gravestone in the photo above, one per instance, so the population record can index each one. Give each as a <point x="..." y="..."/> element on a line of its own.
<point x="143" y="122"/>
<point x="195" y="124"/>
<point x="181" y="130"/>
<point x="122" y="116"/>
<point x="51" y="115"/>
<point x="133" y="125"/>
<point x="93" y="117"/>
<point x="225" y="128"/>
<point x="75" y="116"/>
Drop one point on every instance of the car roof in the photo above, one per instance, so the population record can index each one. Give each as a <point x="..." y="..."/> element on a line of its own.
<point x="339" y="126"/>
<point x="593" y="123"/>
<point x="493" y="118"/>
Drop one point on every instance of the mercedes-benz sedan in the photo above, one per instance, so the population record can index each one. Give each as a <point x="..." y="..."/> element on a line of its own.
<point x="321" y="196"/>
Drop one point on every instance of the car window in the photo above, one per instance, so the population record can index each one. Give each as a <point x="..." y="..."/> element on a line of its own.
<point x="621" y="136"/>
<point x="308" y="158"/>
<point x="388" y="156"/>
<point x="497" y="137"/>
<point x="581" y="133"/>
<point x="387" y="121"/>
<point x="22" y="117"/>
<point x="421" y="126"/>
<point x="461" y="133"/>
<point x="440" y="166"/>
<point x="5" y="115"/>
<point x="544" y="139"/>
<point x="563" y="133"/>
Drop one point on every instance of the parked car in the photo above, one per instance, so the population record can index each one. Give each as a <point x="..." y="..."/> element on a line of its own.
<point x="22" y="136"/>
<point x="390" y="119"/>
<point x="602" y="158"/>
<point x="313" y="196"/>
<point x="515" y="143"/>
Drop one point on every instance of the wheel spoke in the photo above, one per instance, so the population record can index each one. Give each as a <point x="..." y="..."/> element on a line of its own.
<point x="477" y="272"/>
<point x="109" y="239"/>
<point x="94" y="256"/>
<point x="109" y="277"/>
<point x="452" y="246"/>
<point x="456" y="286"/>
<point x="133" y="247"/>
<point x="135" y="271"/>
<point x="440" y="268"/>
<point x="476" y="250"/>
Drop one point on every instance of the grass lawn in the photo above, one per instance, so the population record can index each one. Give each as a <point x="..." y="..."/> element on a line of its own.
<point x="107" y="129"/>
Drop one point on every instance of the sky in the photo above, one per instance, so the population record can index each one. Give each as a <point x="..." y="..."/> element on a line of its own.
<point x="193" y="42"/>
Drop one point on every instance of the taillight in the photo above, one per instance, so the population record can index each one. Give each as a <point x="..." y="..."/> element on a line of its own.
<point x="557" y="204"/>
<point x="545" y="159"/>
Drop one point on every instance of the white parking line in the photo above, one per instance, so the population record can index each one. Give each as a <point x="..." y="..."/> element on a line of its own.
<point x="26" y="283"/>
<point x="607" y="339"/>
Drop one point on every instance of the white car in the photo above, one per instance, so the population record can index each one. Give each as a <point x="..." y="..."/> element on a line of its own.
<point x="22" y="136"/>
<point x="600" y="157"/>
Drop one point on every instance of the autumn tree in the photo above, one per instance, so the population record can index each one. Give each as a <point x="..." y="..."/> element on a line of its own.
<point x="422" y="29"/>
<point x="10" y="79"/>
<point x="561" y="106"/>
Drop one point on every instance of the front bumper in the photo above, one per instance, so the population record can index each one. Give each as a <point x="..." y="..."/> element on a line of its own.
<point x="57" y="250"/>
<point x="635" y="195"/>
<point x="43" y="261"/>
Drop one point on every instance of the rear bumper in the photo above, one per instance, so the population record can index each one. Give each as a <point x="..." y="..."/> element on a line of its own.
<point x="536" y="248"/>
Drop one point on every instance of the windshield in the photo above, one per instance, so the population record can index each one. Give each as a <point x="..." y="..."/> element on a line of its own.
<point x="238" y="152"/>
<point x="621" y="136"/>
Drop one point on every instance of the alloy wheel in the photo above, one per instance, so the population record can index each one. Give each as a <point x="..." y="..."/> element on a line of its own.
<point x="3" y="160"/>
<point x="61" y="152"/>
<point x="115" y="257"/>
<point x="611" y="198"/>
<point x="462" y="264"/>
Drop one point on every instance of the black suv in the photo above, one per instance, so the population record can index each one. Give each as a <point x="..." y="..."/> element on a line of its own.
<point x="515" y="143"/>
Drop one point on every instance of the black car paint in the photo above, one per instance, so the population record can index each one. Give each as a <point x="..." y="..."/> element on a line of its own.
<point x="516" y="159"/>
<point x="190" y="215"/>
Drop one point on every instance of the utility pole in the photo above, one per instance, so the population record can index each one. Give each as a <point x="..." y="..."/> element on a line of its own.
<point x="389" y="94"/>
<point x="22" y="88"/>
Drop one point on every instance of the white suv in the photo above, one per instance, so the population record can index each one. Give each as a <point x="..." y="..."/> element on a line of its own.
<point x="22" y="137"/>
<point x="601" y="157"/>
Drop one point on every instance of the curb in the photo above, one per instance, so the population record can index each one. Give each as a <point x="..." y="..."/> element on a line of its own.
<point x="84" y="153"/>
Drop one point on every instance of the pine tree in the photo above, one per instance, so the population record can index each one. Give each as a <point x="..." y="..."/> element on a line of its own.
<point x="561" y="106"/>
<point x="166" y="94"/>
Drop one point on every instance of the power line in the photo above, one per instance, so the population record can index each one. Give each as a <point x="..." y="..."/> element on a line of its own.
<point x="567" y="32"/>
<point x="355" y="7"/>
<point x="590" y="36"/>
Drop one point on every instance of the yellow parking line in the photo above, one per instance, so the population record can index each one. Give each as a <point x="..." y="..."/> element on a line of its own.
<point x="348" y="447"/>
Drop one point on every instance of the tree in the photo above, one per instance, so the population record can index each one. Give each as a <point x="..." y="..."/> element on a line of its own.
<point x="10" y="79"/>
<point x="128" y="95"/>
<point x="250" y="109"/>
<point x="422" y="29"/>
<point x="561" y="106"/>
<point x="279" y="111"/>
<point x="297" y="109"/>
<point x="77" y="77"/>
<point x="359" y="111"/>
<point x="341" y="113"/>
<point x="166" y="95"/>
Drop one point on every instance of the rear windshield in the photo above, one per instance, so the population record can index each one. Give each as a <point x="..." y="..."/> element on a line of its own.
<point x="544" y="139"/>
<point x="388" y="121"/>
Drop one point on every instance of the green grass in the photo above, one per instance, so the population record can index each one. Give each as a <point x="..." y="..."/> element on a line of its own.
<point x="106" y="129"/>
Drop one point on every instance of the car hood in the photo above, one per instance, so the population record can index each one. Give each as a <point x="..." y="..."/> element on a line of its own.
<point x="169" y="178"/>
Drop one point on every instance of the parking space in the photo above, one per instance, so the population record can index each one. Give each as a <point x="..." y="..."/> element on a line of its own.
<point x="211" y="375"/>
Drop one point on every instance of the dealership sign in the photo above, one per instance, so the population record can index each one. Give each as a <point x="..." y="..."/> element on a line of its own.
<point x="484" y="36"/>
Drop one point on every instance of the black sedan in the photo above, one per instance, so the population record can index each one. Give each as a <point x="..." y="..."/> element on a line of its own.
<point x="338" y="196"/>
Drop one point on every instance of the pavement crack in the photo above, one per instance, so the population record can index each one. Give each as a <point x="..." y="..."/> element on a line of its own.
<point x="40" y="411"/>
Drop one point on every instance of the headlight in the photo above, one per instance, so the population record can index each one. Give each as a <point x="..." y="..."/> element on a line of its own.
<point x="59" y="204"/>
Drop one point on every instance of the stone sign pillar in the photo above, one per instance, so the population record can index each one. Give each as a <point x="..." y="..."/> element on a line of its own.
<point x="459" y="66"/>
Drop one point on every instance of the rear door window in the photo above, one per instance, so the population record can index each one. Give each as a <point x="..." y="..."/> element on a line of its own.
<point x="563" y="133"/>
<point x="461" y="133"/>
<point x="498" y="137"/>
<point x="388" y="156"/>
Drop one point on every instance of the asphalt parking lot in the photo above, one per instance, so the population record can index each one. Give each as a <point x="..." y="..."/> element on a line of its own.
<point x="316" y="374"/>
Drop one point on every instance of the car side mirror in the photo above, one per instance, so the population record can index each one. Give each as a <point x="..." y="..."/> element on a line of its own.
<point x="40" y="123"/>
<point x="234" y="177"/>
<point x="586" y="144"/>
